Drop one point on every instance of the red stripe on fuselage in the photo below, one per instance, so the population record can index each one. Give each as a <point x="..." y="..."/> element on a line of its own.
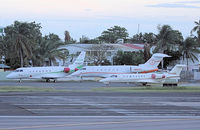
<point x="149" y="71"/>
<point x="118" y="73"/>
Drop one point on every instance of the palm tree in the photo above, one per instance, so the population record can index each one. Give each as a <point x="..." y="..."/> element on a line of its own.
<point x="189" y="48"/>
<point x="21" y="37"/>
<point x="53" y="51"/>
<point x="49" y="48"/>
<point x="67" y="37"/>
<point x="167" y="38"/>
<point x="196" y="29"/>
<point x="21" y="44"/>
<point x="1" y="46"/>
<point x="147" y="54"/>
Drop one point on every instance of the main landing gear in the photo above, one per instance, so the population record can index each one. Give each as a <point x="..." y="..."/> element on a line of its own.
<point x="144" y="84"/>
<point x="48" y="80"/>
<point x="20" y="80"/>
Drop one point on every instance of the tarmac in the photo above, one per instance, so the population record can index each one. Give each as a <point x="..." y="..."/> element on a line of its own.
<point x="99" y="123"/>
<point x="81" y="108"/>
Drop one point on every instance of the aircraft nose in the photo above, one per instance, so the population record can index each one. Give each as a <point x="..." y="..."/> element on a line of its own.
<point x="9" y="76"/>
<point x="103" y="80"/>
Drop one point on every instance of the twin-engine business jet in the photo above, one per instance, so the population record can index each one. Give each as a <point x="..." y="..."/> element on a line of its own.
<point x="47" y="73"/>
<point x="146" y="78"/>
<point x="105" y="71"/>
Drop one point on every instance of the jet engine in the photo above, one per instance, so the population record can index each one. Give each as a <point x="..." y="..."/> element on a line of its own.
<point x="66" y="70"/>
<point x="158" y="76"/>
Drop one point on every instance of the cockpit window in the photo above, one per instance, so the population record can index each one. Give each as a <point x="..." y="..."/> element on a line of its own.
<point x="18" y="71"/>
<point x="113" y="76"/>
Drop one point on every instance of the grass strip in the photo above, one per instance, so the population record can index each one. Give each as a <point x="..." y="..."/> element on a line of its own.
<point x="27" y="89"/>
<point x="148" y="89"/>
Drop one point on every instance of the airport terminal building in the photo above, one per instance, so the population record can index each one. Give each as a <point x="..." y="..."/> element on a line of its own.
<point x="109" y="49"/>
<point x="112" y="49"/>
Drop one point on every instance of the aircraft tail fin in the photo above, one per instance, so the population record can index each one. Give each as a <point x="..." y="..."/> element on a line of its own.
<point x="80" y="59"/>
<point x="155" y="60"/>
<point x="177" y="69"/>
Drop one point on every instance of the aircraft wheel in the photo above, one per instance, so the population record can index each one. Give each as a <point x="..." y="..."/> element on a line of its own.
<point x="107" y="84"/>
<point x="47" y="80"/>
<point x="144" y="84"/>
<point x="81" y="78"/>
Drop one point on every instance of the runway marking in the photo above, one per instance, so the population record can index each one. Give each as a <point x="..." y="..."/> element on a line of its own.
<point x="95" y="123"/>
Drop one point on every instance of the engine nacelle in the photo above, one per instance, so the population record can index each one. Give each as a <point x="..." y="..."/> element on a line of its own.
<point x="66" y="70"/>
<point x="76" y="69"/>
<point x="163" y="76"/>
<point x="153" y="76"/>
<point x="158" y="76"/>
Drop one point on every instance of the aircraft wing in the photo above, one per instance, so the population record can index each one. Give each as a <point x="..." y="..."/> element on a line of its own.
<point x="149" y="81"/>
<point x="53" y="75"/>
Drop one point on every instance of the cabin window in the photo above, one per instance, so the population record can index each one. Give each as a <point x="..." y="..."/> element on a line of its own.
<point x="18" y="71"/>
<point x="83" y="69"/>
<point x="114" y="76"/>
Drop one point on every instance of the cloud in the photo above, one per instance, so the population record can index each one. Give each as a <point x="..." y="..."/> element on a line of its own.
<point x="88" y="10"/>
<point x="188" y="2"/>
<point x="181" y="4"/>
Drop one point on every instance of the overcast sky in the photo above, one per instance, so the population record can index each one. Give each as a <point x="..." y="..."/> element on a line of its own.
<point x="92" y="17"/>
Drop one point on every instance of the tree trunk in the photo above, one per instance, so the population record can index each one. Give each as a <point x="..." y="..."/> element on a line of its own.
<point x="21" y="58"/>
<point x="50" y="62"/>
<point x="146" y="52"/>
<point x="187" y="65"/>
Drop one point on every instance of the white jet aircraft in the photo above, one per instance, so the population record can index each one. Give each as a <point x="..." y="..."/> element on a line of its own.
<point x="174" y="74"/>
<point x="47" y="73"/>
<point x="105" y="71"/>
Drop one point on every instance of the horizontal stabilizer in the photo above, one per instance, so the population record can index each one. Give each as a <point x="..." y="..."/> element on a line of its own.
<point x="154" y="61"/>
<point x="177" y="69"/>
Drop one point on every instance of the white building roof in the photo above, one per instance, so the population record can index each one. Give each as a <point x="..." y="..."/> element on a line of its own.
<point x="4" y="66"/>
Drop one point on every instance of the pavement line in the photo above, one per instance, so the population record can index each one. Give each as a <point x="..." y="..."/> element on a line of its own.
<point x="95" y="123"/>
